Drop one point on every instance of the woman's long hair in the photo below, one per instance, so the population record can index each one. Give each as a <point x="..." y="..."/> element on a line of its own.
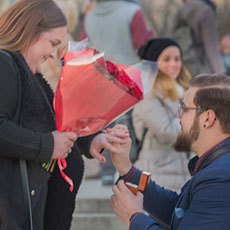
<point x="25" y="20"/>
<point x="168" y="86"/>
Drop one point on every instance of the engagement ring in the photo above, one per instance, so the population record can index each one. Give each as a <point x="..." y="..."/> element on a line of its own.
<point x="69" y="150"/>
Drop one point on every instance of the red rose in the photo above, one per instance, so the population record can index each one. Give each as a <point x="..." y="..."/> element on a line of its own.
<point x="100" y="62"/>
<point x="125" y="79"/>
<point x="112" y="69"/>
<point x="135" y="91"/>
<point x="122" y="80"/>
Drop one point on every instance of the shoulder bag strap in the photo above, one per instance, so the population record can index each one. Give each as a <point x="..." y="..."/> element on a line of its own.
<point x="26" y="193"/>
<point x="140" y="144"/>
<point x="214" y="155"/>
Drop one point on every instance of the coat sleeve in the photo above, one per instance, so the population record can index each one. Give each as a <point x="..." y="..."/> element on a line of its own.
<point x="163" y="125"/>
<point x="15" y="141"/>
<point x="158" y="202"/>
<point x="84" y="143"/>
<point x="139" y="31"/>
<point x="144" y="222"/>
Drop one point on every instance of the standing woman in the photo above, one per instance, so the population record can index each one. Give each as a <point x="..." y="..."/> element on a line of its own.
<point x="158" y="114"/>
<point x="30" y="32"/>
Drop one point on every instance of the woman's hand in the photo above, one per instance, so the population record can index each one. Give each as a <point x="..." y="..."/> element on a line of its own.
<point x="63" y="142"/>
<point x="109" y="140"/>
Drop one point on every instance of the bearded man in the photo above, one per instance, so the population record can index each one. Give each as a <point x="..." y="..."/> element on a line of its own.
<point x="204" y="201"/>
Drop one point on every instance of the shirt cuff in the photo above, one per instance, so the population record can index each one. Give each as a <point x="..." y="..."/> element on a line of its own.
<point x="130" y="175"/>
<point x="142" y="221"/>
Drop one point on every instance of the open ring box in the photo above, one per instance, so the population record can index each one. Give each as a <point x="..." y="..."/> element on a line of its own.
<point x="144" y="180"/>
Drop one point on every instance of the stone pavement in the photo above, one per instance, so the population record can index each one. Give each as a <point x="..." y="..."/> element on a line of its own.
<point x="93" y="211"/>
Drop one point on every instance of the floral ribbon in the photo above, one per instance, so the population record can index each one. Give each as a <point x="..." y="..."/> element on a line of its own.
<point x="62" y="164"/>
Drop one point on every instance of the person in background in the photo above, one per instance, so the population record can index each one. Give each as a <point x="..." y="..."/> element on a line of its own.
<point x="134" y="1"/>
<point x="30" y="33"/>
<point x="129" y="30"/>
<point x="158" y="114"/>
<point x="4" y="4"/>
<point x="204" y="201"/>
<point x="200" y="16"/>
<point x="225" y="51"/>
<point x="117" y="28"/>
<point x="84" y="6"/>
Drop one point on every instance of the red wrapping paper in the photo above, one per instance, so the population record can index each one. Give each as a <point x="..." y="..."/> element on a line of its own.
<point x="86" y="101"/>
<point x="88" y="97"/>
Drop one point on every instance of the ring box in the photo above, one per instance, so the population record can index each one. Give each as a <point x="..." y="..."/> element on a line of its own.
<point x="144" y="180"/>
<point x="132" y="187"/>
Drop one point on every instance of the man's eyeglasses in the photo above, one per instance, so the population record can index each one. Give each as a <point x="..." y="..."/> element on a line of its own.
<point x="182" y="109"/>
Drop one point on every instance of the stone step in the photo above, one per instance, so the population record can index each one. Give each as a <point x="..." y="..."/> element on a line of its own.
<point x="93" y="205"/>
<point x="93" y="211"/>
<point x="97" y="221"/>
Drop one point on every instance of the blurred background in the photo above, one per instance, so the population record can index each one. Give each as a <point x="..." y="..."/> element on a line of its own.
<point x="93" y="210"/>
<point x="158" y="14"/>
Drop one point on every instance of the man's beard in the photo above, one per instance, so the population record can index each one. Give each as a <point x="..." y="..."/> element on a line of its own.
<point x="184" y="141"/>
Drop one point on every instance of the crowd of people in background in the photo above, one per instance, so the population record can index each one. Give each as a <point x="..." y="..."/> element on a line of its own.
<point x="200" y="17"/>
<point x="120" y="29"/>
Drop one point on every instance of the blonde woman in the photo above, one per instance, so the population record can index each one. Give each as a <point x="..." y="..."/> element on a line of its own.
<point x="157" y="113"/>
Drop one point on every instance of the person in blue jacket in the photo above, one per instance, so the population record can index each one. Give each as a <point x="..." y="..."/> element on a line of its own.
<point x="204" y="201"/>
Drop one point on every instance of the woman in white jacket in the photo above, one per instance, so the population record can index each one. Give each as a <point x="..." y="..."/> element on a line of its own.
<point x="158" y="114"/>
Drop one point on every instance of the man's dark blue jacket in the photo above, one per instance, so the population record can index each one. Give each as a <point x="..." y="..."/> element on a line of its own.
<point x="204" y="202"/>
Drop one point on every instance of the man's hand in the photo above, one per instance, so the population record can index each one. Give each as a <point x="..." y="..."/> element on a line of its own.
<point x="121" y="161"/>
<point x="125" y="203"/>
<point x="109" y="141"/>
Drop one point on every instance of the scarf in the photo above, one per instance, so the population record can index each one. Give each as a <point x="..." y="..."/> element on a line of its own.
<point x="37" y="112"/>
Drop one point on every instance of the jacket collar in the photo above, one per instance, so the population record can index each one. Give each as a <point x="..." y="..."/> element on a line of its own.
<point x="196" y="163"/>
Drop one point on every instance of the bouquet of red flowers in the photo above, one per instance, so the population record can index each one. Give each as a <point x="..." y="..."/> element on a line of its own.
<point x="93" y="91"/>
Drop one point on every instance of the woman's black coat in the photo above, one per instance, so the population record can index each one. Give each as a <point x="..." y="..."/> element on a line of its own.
<point x="26" y="122"/>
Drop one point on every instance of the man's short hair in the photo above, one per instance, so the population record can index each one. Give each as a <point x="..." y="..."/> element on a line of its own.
<point x="214" y="94"/>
